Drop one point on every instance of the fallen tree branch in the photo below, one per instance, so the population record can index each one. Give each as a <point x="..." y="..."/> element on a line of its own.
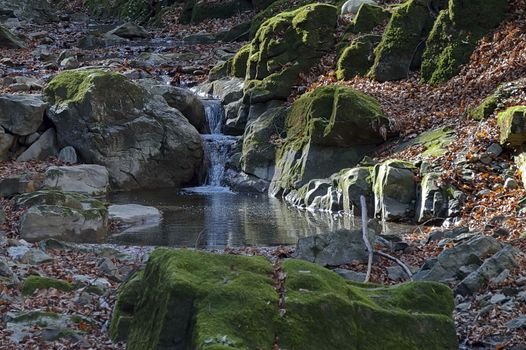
<point x="363" y="204"/>
<point x="398" y="261"/>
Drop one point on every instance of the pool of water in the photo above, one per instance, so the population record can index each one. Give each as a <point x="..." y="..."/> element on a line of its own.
<point x="214" y="217"/>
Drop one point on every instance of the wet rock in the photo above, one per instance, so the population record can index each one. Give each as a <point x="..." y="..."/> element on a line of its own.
<point x="68" y="155"/>
<point x="335" y="248"/>
<point x="134" y="215"/>
<point x="43" y="148"/>
<point x="394" y="190"/>
<point x="111" y="121"/>
<point x="36" y="257"/>
<point x="447" y="264"/>
<point x="85" y="178"/>
<point x="130" y="31"/>
<point x="244" y="183"/>
<point x="219" y="290"/>
<point x="21" y="114"/>
<point x="62" y="215"/>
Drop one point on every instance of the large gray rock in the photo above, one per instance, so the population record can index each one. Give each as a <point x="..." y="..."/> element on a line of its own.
<point x="111" y="121"/>
<point x="6" y="141"/>
<point x="9" y="40"/>
<point x="130" y="30"/>
<point x="448" y="264"/>
<point x="259" y="150"/>
<point x="68" y="155"/>
<point x="134" y="215"/>
<point x="431" y="202"/>
<point x="62" y="215"/>
<point x="335" y="248"/>
<point x="41" y="149"/>
<point x="85" y="178"/>
<point x="354" y="183"/>
<point x="21" y="114"/>
<point x="394" y="190"/>
<point x="227" y="90"/>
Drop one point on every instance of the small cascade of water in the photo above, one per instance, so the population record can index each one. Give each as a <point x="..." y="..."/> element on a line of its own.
<point x="216" y="147"/>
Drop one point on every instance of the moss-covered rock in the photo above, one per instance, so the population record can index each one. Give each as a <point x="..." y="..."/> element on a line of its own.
<point x="455" y="35"/>
<point x="239" y="62"/>
<point x="33" y="283"/>
<point x="357" y="58"/>
<point x="367" y="18"/>
<point x="328" y="129"/>
<point x="200" y="10"/>
<point x="394" y="190"/>
<point x="286" y="45"/>
<point x="403" y="41"/>
<point x="112" y="121"/>
<point x="498" y="99"/>
<point x="354" y="183"/>
<point x="512" y="124"/>
<point x="204" y="301"/>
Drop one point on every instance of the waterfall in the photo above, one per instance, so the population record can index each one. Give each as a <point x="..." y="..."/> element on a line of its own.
<point x="216" y="145"/>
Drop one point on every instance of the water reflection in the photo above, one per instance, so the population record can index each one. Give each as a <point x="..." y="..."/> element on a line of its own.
<point x="225" y="219"/>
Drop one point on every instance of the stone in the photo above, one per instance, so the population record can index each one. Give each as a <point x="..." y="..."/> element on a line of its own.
<point x="259" y="151"/>
<point x="17" y="184"/>
<point x="495" y="149"/>
<point x="9" y="40"/>
<point x="205" y="296"/>
<point x="2" y="216"/>
<point x="512" y="124"/>
<point x="69" y="63"/>
<point x="6" y="142"/>
<point x="504" y="259"/>
<point x="62" y="215"/>
<point x="394" y="190"/>
<point x="357" y="58"/>
<point x="448" y="263"/>
<point x="328" y="129"/>
<point x="68" y="155"/>
<point x="335" y="248"/>
<point x="21" y="114"/>
<point x="244" y="183"/>
<point x="86" y="178"/>
<point x="517" y="323"/>
<point x="130" y="30"/>
<point x="5" y="269"/>
<point x="354" y="183"/>
<point x="351" y="7"/>
<point x="431" y="200"/>
<point x="35" y="257"/>
<point x="285" y="46"/>
<point x="23" y="325"/>
<point x="134" y="214"/>
<point x="30" y="139"/>
<point x="111" y="121"/>
<point x="498" y="299"/>
<point x="43" y="148"/>
<point x="351" y="275"/>
<point x="511" y="184"/>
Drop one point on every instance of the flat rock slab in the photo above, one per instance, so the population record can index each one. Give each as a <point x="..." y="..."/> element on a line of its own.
<point x="85" y="178"/>
<point x="134" y="214"/>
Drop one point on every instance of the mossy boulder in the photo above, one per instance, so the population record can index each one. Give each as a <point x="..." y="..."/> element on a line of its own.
<point x="111" y="121"/>
<point x="367" y="18"/>
<point x="259" y="143"/>
<point x="512" y="124"/>
<point x="357" y="58"/>
<point x="455" y="35"/>
<point x="498" y="99"/>
<point x="34" y="283"/>
<point x="328" y="129"/>
<point x="199" y="300"/>
<point x="8" y="40"/>
<point x="239" y="62"/>
<point x="286" y="45"/>
<point x="394" y="190"/>
<point x="66" y="216"/>
<point x="403" y="41"/>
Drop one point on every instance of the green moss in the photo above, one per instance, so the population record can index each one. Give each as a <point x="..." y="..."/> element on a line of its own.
<point x="33" y="283"/>
<point x="203" y="10"/>
<point x="512" y="124"/>
<point x="206" y="301"/>
<point x="435" y="142"/>
<point x="468" y="15"/>
<point x="403" y="40"/>
<point x="357" y="58"/>
<point x="286" y="45"/>
<point x="486" y="108"/>
<point x="239" y="62"/>
<point x="368" y="17"/>
<point x="34" y="316"/>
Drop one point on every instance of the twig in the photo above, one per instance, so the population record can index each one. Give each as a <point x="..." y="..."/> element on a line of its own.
<point x="198" y="238"/>
<point x="398" y="261"/>
<point x="366" y="238"/>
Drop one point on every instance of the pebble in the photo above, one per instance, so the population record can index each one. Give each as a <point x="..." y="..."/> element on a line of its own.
<point x="518" y="323"/>
<point x="511" y="184"/>
<point x="498" y="299"/>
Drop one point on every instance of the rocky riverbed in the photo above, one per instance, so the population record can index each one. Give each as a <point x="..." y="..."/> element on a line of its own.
<point x="416" y="106"/>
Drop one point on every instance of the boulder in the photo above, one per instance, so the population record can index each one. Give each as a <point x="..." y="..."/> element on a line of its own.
<point x="111" y="121"/>
<point x="357" y="58"/>
<point x="21" y="114"/>
<point x="134" y="214"/>
<point x="401" y="47"/>
<point x="204" y="301"/>
<point x="354" y="183"/>
<point x="431" y="199"/>
<point x="368" y="17"/>
<point x="328" y="129"/>
<point x="334" y="248"/>
<point x="85" y="178"/>
<point x="455" y="35"/>
<point x="394" y="190"/>
<point x="351" y="7"/>
<point x="17" y="184"/>
<point x="62" y="215"/>
<point x="6" y="141"/>
<point x="44" y="147"/>
<point x="130" y="31"/>
<point x="8" y="40"/>
<point x="512" y="124"/>
<point x="68" y="155"/>
<point x="259" y="143"/>
<point x="285" y="46"/>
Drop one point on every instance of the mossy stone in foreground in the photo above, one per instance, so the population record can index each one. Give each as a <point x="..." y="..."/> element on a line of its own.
<point x="195" y="300"/>
<point x="33" y="283"/>
<point x="512" y="124"/>
<point x="286" y="45"/>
